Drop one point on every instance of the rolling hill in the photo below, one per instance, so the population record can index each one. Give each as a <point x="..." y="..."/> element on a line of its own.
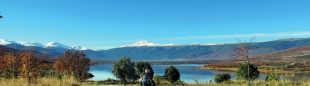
<point x="294" y="54"/>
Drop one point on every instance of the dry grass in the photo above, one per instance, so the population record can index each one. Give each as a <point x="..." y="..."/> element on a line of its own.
<point x="45" y="81"/>
<point x="255" y="83"/>
<point x="70" y="81"/>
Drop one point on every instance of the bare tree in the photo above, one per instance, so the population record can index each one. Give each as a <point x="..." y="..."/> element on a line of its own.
<point x="243" y="52"/>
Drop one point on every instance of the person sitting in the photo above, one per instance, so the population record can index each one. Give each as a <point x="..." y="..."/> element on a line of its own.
<point x="146" y="79"/>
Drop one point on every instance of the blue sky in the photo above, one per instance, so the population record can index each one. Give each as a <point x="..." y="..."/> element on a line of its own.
<point x="103" y="24"/>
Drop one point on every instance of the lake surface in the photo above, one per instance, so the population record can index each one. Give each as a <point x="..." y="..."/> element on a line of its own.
<point x="189" y="72"/>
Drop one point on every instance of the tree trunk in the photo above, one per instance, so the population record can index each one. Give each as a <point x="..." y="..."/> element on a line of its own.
<point x="124" y="81"/>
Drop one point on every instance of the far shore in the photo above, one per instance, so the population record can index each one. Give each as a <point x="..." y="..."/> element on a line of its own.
<point x="162" y="62"/>
<point x="265" y="71"/>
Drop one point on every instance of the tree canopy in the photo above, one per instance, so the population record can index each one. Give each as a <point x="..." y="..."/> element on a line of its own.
<point x="124" y="70"/>
<point x="142" y="66"/>
<point x="31" y="66"/>
<point x="74" y="63"/>
<point x="172" y="74"/>
<point x="221" y="78"/>
<point x="242" y="72"/>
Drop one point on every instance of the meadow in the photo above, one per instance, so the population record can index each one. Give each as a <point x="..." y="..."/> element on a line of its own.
<point x="70" y="81"/>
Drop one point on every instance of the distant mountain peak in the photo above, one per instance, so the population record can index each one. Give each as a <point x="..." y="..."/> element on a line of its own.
<point x="59" y="45"/>
<point x="6" y="42"/>
<point x="55" y="44"/>
<point x="31" y="44"/>
<point x="141" y="43"/>
<point x="76" y="47"/>
<point x="146" y="43"/>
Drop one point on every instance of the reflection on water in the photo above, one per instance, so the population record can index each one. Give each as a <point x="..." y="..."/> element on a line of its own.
<point x="102" y="71"/>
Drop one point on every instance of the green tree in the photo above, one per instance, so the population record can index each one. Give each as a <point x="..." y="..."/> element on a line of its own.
<point x="172" y="74"/>
<point x="242" y="72"/>
<point x="74" y="63"/>
<point x="124" y="70"/>
<point x="142" y="66"/>
<point x="222" y="77"/>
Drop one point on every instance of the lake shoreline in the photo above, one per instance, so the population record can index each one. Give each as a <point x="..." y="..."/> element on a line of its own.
<point x="260" y="70"/>
<point x="266" y="69"/>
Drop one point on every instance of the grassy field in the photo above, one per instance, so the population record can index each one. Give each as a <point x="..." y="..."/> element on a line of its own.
<point x="46" y="81"/>
<point x="69" y="81"/>
<point x="255" y="83"/>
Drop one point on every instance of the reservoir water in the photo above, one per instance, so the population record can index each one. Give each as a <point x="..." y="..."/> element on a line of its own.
<point x="190" y="73"/>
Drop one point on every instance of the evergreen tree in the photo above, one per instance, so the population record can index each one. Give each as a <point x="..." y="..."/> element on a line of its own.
<point x="124" y="70"/>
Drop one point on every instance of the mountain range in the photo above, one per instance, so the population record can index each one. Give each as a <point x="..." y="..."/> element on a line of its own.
<point x="145" y="50"/>
<point x="46" y="45"/>
<point x="52" y="49"/>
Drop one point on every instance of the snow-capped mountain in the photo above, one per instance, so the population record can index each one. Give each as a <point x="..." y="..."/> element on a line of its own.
<point x="31" y="44"/>
<point x="155" y="51"/>
<point x="47" y="45"/>
<point x="141" y="43"/>
<point x="59" y="45"/>
<point x="56" y="45"/>
<point x="6" y="42"/>
<point x="146" y="43"/>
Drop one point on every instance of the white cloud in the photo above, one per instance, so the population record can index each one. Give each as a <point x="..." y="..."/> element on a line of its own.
<point x="238" y="36"/>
